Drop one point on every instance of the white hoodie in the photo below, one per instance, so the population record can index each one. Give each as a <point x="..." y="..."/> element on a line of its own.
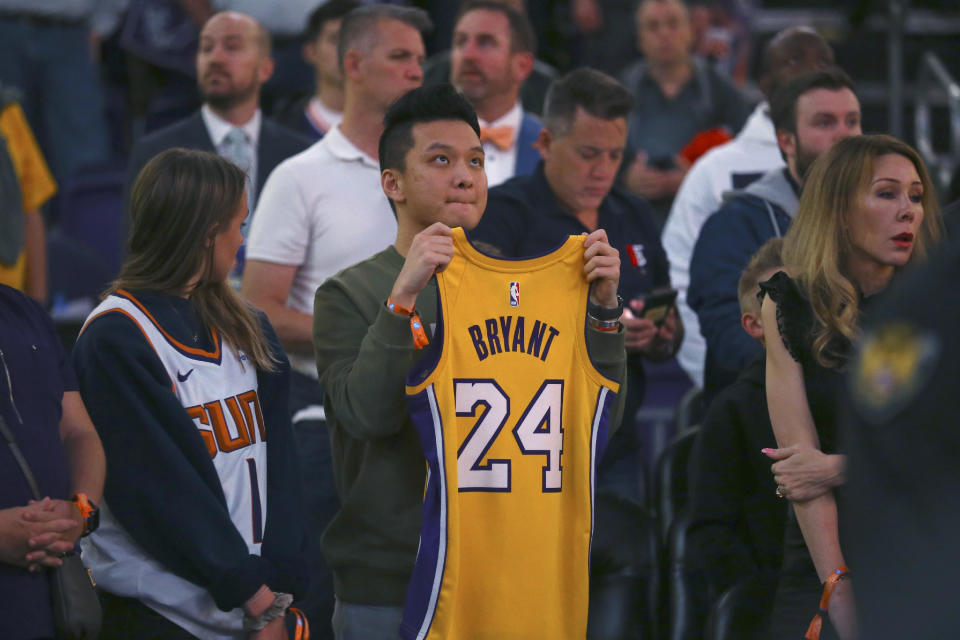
<point x="753" y="151"/>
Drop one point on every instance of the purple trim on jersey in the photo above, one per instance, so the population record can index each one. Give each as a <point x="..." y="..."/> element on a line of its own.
<point x="428" y="362"/>
<point x="599" y="436"/>
<point x="603" y="424"/>
<point x="424" y="587"/>
<point x="256" y="516"/>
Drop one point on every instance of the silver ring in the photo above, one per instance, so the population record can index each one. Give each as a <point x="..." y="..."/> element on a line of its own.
<point x="780" y="493"/>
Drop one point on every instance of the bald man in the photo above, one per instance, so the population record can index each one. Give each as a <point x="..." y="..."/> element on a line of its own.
<point x="233" y="62"/>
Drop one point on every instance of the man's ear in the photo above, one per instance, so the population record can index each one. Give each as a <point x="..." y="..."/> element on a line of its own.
<point x="351" y="64"/>
<point x="543" y="142"/>
<point x="265" y="70"/>
<point x="521" y="65"/>
<point x="391" y="181"/>
<point x="787" y="141"/>
<point x="752" y="324"/>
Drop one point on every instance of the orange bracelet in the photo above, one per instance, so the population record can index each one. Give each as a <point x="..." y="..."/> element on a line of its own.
<point x="88" y="511"/>
<point x="416" y="326"/>
<point x="813" y="631"/>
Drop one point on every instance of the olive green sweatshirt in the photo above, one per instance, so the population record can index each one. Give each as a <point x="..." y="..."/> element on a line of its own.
<point x="364" y="352"/>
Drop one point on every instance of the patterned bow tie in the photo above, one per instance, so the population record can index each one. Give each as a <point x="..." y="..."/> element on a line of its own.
<point x="500" y="137"/>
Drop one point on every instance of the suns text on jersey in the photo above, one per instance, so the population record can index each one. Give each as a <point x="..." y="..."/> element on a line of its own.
<point x="220" y="434"/>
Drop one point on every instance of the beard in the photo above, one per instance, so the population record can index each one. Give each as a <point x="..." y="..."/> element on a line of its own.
<point x="804" y="159"/>
<point x="227" y="94"/>
<point x="475" y="87"/>
<point x="221" y="101"/>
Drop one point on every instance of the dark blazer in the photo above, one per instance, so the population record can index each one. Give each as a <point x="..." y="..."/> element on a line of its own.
<point x="276" y="144"/>
<point x="527" y="156"/>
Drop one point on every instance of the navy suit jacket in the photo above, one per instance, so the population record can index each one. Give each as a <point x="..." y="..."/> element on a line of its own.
<point x="276" y="144"/>
<point x="527" y="156"/>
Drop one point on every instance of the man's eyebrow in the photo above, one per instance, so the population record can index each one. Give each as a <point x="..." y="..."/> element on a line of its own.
<point x="442" y="145"/>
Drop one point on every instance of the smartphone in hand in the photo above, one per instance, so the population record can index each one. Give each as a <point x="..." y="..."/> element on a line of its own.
<point x="657" y="305"/>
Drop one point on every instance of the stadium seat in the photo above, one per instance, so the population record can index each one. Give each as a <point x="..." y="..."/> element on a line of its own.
<point x="90" y="212"/>
<point x="742" y="611"/>
<point x="690" y="410"/>
<point x="77" y="276"/>
<point x="624" y="570"/>
<point x="688" y="588"/>
<point x="671" y="479"/>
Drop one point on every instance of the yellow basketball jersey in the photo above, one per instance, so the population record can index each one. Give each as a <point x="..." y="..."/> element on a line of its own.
<point x="513" y="418"/>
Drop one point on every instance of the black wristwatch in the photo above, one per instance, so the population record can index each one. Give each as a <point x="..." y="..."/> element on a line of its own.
<point x="604" y="314"/>
<point x="89" y="511"/>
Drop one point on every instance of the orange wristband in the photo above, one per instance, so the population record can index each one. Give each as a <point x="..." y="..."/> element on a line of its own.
<point x="403" y="311"/>
<point x="416" y="326"/>
<point x="813" y="631"/>
<point x="83" y="504"/>
<point x="88" y="512"/>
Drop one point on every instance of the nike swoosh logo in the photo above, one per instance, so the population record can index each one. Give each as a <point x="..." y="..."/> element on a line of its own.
<point x="182" y="377"/>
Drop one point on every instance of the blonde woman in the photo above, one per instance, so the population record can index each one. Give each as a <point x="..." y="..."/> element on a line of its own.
<point x="868" y="209"/>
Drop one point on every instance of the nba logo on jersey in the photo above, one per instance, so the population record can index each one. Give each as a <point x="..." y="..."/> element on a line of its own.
<point x="514" y="294"/>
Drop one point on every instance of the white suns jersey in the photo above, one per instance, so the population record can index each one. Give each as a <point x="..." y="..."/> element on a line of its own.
<point x="218" y="389"/>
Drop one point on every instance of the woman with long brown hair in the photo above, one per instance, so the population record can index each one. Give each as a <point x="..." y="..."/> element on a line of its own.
<point x="201" y="533"/>
<point x="867" y="210"/>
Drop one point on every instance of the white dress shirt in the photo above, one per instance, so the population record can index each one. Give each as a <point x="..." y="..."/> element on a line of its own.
<point x="322" y="117"/>
<point x="218" y="128"/>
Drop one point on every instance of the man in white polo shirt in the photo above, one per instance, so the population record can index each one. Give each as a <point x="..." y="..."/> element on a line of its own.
<point x="321" y="211"/>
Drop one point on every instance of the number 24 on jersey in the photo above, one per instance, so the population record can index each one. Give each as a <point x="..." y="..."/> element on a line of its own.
<point x="537" y="432"/>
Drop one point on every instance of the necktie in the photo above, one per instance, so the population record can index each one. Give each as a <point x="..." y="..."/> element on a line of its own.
<point x="237" y="149"/>
<point x="500" y="137"/>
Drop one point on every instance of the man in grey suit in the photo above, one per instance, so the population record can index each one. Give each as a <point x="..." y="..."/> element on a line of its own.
<point x="233" y="62"/>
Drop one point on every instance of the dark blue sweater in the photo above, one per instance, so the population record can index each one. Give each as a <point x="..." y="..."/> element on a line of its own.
<point x="726" y="243"/>
<point x="30" y="403"/>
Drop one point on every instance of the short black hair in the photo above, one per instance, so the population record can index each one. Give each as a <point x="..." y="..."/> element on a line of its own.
<point x="361" y="22"/>
<point x="332" y="10"/>
<point x="522" y="36"/>
<point x="783" y="104"/>
<point x="595" y="92"/>
<point x="423" y="104"/>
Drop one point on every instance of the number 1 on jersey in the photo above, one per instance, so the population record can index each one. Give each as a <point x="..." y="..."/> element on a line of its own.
<point x="538" y="432"/>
